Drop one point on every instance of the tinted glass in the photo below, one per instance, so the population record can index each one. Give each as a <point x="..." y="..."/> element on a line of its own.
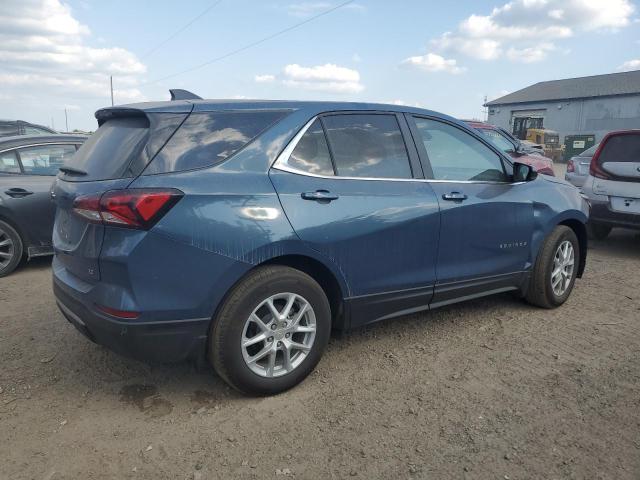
<point x="312" y="153"/>
<point x="205" y="139"/>
<point x="9" y="129"/>
<point x="9" y="163"/>
<point x="497" y="140"/>
<point x="45" y="160"/>
<point x="621" y="148"/>
<point x="367" y="146"/>
<point x="109" y="151"/>
<point x="456" y="155"/>
<point x="28" y="130"/>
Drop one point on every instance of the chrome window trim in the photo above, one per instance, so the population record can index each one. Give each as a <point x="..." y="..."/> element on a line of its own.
<point x="39" y="145"/>
<point x="281" y="163"/>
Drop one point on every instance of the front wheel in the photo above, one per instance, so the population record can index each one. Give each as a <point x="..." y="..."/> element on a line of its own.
<point x="271" y="331"/>
<point x="555" y="270"/>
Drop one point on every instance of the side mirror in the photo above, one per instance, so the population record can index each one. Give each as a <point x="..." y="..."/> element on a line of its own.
<point x="523" y="172"/>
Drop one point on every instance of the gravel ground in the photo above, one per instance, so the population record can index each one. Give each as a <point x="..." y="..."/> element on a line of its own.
<point x="487" y="389"/>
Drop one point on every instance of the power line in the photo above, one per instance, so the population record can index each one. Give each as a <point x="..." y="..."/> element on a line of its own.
<point x="180" y="30"/>
<point x="250" y="45"/>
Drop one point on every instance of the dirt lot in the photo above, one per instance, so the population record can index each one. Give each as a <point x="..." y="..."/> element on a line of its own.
<point x="488" y="389"/>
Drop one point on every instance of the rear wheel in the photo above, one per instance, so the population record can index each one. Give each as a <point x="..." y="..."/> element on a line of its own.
<point x="10" y="249"/>
<point x="555" y="270"/>
<point x="271" y="331"/>
<point x="598" y="231"/>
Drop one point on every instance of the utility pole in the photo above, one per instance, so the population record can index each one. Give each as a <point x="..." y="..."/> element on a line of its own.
<point x="111" y="83"/>
<point x="66" y="120"/>
<point x="485" y="109"/>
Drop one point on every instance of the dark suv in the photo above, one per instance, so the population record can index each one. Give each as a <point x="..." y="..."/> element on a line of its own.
<point x="244" y="231"/>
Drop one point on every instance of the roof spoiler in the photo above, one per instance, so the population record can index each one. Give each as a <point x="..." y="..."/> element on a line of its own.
<point x="180" y="94"/>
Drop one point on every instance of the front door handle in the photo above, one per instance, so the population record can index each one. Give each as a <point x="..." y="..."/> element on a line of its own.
<point x="18" y="192"/>
<point x="454" y="196"/>
<point x="319" y="196"/>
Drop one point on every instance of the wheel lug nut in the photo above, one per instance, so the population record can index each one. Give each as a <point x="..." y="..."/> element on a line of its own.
<point x="279" y="344"/>
<point x="284" y="324"/>
<point x="274" y="326"/>
<point x="287" y="335"/>
<point x="270" y="339"/>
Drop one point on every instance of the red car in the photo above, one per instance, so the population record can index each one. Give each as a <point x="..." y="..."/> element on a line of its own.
<point x="508" y="144"/>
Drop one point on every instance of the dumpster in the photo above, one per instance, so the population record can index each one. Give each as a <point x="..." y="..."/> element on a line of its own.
<point x="576" y="144"/>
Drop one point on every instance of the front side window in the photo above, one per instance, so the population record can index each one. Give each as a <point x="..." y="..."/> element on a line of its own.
<point x="46" y="159"/>
<point x="9" y="163"/>
<point x="457" y="156"/>
<point x="498" y="140"/>
<point x="365" y="145"/>
<point x="311" y="154"/>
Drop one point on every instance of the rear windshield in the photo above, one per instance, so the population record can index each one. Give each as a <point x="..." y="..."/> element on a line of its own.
<point x="205" y="139"/>
<point x="621" y="148"/>
<point x="589" y="152"/>
<point x="123" y="146"/>
<point x="108" y="152"/>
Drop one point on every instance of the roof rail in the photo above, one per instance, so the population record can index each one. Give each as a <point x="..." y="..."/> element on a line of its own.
<point x="180" y="94"/>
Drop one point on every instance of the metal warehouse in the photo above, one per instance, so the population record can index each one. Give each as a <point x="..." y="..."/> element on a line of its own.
<point x="581" y="110"/>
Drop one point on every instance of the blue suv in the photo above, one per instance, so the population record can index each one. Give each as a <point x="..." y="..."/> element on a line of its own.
<point x="243" y="232"/>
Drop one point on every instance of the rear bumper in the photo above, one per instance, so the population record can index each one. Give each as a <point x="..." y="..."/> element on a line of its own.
<point x="602" y="213"/>
<point x="163" y="341"/>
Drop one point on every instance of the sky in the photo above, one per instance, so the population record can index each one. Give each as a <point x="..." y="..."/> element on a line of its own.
<point x="444" y="56"/>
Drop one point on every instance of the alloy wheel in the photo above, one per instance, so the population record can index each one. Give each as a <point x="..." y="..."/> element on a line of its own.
<point x="278" y="335"/>
<point x="563" y="264"/>
<point x="7" y="249"/>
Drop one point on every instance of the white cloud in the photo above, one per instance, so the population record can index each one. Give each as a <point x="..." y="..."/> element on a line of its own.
<point x="434" y="63"/>
<point x="264" y="78"/>
<point x="329" y="78"/>
<point x="630" y="65"/>
<point x="517" y="28"/>
<point x="46" y="52"/>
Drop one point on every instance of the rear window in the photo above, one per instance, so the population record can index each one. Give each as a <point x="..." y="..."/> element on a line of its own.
<point x="621" y="148"/>
<point x="589" y="152"/>
<point x="108" y="152"/>
<point x="123" y="146"/>
<point x="205" y="139"/>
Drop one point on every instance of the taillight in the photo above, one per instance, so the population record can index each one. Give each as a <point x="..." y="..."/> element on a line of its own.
<point x="140" y="208"/>
<point x="595" y="170"/>
<point x="114" y="312"/>
<point x="570" y="166"/>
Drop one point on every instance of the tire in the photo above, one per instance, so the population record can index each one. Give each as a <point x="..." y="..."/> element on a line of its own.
<point x="11" y="249"/>
<point x="233" y="362"/>
<point x="541" y="288"/>
<point x="598" y="231"/>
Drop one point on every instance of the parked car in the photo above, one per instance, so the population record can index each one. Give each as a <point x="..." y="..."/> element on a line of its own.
<point x="578" y="166"/>
<point x="513" y="147"/>
<point x="10" y="128"/>
<point x="28" y="165"/>
<point x="246" y="231"/>
<point x="613" y="184"/>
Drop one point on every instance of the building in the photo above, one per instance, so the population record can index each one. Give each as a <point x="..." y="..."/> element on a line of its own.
<point x="574" y="106"/>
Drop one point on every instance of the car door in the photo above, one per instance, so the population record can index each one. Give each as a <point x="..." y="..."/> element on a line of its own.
<point x="351" y="190"/>
<point x="486" y="220"/>
<point x="28" y="195"/>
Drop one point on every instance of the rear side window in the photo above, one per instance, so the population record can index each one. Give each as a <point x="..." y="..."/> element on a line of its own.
<point x="205" y="139"/>
<point x="46" y="159"/>
<point x="9" y="163"/>
<point x="311" y="154"/>
<point x="365" y="145"/>
<point x="621" y="148"/>
<point x="457" y="156"/>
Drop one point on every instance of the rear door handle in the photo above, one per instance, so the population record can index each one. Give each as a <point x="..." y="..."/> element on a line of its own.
<point x="319" y="196"/>
<point x="454" y="196"/>
<point x="18" y="192"/>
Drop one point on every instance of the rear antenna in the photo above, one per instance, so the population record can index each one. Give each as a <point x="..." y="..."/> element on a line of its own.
<point x="180" y="94"/>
